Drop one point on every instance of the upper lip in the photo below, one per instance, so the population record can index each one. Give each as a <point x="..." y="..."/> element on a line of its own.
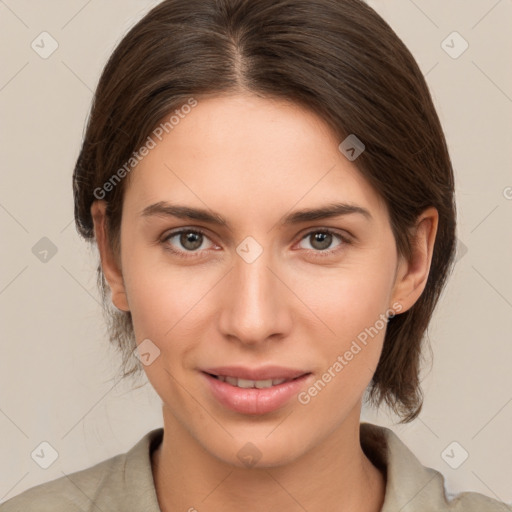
<point x="262" y="373"/>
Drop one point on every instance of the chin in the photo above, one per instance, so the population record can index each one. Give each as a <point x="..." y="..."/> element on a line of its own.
<point x="257" y="452"/>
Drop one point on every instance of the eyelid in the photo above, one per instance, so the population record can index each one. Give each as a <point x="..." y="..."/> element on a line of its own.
<point x="185" y="229"/>
<point x="342" y="233"/>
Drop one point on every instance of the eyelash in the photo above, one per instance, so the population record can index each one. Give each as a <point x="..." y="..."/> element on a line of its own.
<point x="317" y="253"/>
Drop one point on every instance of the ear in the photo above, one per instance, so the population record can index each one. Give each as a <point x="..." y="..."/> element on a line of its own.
<point x="111" y="269"/>
<point x="411" y="276"/>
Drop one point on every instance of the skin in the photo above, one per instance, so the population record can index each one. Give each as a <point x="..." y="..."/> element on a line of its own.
<point x="253" y="160"/>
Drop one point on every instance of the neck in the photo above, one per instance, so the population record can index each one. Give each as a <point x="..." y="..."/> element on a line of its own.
<point x="335" y="476"/>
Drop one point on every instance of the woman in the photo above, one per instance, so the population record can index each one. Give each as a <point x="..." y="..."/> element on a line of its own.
<point x="271" y="194"/>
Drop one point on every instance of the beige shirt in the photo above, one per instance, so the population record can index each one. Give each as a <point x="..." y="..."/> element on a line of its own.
<point x="125" y="482"/>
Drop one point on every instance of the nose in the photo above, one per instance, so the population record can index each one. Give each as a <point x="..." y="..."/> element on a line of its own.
<point x="255" y="303"/>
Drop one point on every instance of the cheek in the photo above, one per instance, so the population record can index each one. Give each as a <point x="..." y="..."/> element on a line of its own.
<point x="159" y="305"/>
<point x="348" y="300"/>
<point x="165" y="300"/>
<point x="350" y="307"/>
<point x="350" y="349"/>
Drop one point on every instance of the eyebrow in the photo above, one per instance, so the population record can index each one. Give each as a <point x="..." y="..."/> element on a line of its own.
<point x="165" y="209"/>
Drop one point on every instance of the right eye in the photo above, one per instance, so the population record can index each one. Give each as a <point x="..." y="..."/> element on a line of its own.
<point x="190" y="240"/>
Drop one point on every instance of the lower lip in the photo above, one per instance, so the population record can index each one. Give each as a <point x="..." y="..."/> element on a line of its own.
<point x="254" y="400"/>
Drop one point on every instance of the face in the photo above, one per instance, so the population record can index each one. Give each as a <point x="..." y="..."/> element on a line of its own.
<point x="265" y="294"/>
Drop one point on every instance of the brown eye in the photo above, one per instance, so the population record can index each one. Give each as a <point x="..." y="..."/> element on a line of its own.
<point x="321" y="242"/>
<point x="190" y="240"/>
<point x="186" y="241"/>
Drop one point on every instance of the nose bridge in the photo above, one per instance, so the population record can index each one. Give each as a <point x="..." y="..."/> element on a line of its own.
<point x="254" y="307"/>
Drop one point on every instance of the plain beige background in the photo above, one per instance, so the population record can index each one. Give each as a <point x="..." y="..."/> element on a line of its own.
<point x="57" y="370"/>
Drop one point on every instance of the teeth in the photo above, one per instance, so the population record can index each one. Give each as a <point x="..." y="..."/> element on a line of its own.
<point x="246" y="383"/>
<point x="231" y="380"/>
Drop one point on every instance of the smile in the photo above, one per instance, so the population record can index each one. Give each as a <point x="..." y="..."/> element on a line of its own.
<point x="273" y="390"/>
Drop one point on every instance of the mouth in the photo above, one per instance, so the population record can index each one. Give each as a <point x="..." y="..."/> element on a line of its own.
<point x="254" y="391"/>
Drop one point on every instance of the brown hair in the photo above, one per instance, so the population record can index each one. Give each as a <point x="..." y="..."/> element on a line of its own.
<point x="338" y="58"/>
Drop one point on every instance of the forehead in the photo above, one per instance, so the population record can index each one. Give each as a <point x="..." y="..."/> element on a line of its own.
<point x="250" y="154"/>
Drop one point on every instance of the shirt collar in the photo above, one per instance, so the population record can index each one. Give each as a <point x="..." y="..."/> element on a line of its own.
<point x="409" y="484"/>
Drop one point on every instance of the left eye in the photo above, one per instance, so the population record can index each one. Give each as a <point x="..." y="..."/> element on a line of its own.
<point x="321" y="240"/>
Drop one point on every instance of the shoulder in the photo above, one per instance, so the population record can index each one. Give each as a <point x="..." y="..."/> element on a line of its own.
<point x="413" y="487"/>
<point x="113" y="484"/>
<point x="70" y="493"/>
<point x="436" y="492"/>
<point x="429" y="487"/>
<point x="476" y="502"/>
